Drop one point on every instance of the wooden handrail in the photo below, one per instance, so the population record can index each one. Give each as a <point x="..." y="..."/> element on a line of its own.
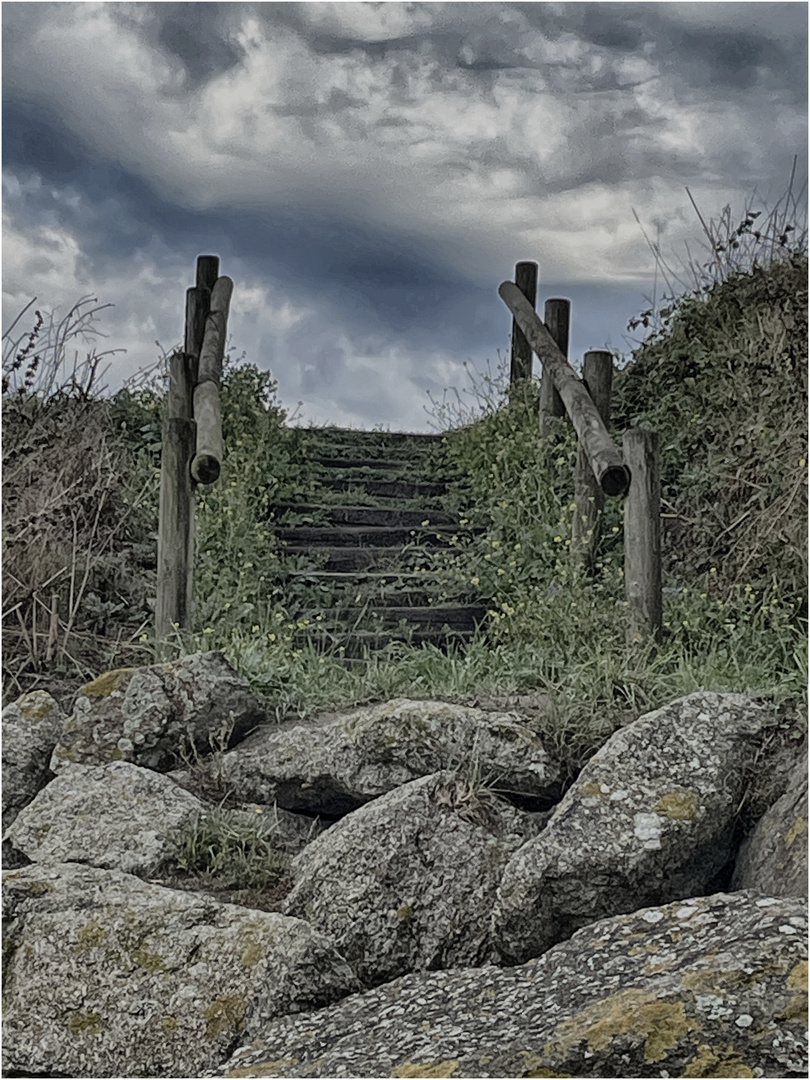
<point x="207" y="463"/>
<point x="192" y="443"/>
<point x="604" y="457"/>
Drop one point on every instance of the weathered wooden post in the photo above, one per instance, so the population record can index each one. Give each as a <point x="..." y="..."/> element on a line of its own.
<point x="180" y="440"/>
<point x="597" y="376"/>
<point x="520" y="368"/>
<point x="557" y="317"/>
<point x="642" y="537"/>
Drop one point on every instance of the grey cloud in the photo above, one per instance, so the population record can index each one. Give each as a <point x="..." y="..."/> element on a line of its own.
<point x="199" y="35"/>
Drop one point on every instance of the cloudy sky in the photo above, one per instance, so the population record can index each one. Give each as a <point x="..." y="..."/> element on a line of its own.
<point x="370" y="172"/>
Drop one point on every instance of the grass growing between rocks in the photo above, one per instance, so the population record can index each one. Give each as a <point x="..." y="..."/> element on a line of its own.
<point x="723" y="380"/>
<point x="222" y="850"/>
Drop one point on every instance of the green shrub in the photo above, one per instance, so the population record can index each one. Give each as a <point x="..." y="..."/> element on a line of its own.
<point x="726" y="388"/>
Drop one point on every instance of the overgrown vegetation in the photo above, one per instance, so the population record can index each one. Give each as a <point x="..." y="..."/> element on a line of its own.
<point x="722" y="378"/>
<point x="77" y="509"/>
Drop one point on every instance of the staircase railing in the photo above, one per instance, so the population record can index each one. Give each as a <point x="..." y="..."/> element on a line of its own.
<point x="192" y="442"/>
<point x="602" y="469"/>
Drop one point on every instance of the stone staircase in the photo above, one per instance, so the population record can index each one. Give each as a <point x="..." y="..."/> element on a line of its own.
<point x="373" y="542"/>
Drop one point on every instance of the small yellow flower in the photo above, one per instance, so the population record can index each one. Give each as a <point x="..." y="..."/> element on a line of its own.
<point x="143" y="637"/>
<point x="615" y="529"/>
<point x="475" y="580"/>
<point x="208" y="630"/>
<point x="713" y="570"/>
<point x="557" y="539"/>
<point x="255" y="629"/>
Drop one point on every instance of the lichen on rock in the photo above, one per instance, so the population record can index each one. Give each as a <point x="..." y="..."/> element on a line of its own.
<point x="112" y="976"/>
<point x="649" y="819"/>
<point x="694" y="988"/>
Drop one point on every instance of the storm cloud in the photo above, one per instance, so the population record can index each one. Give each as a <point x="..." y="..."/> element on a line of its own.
<point x="370" y="172"/>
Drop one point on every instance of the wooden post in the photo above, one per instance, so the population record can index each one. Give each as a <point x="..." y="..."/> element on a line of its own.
<point x="521" y="360"/>
<point x="198" y="301"/>
<point x="557" y="317"/>
<point x="642" y="537"/>
<point x="174" y="600"/>
<point x="175" y="530"/>
<point x="207" y="271"/>
<point x="604" y="457"/>
<point x="597" y="375"/>
<point x="207" y="463"/>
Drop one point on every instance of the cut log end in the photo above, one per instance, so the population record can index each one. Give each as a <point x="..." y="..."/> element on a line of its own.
<point x="205" y="468"/>
<point x="615" y="480"/>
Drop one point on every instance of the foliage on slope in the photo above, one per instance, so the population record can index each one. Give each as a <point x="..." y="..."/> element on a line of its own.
<point x="725" y="385"/>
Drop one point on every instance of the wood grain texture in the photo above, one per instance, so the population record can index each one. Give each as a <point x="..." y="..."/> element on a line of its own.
<point x="597" y="376"/>
<point x="207" y="462"/>
<point x="175" y="528"/>
<point x="557" y="317"/>
<point x="520" y="366"/>
<point x="642" y="536"/>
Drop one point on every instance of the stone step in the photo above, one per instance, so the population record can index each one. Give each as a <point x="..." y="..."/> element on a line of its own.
<point x="364" y="464"/>
<point x="392" y="559"/>
<point x="378" y="588"/>
<point x="431" y="617"/>
<point x="384" y="489"/>
<point x="417" y="454"/>
<point x="366" y="545"/>
<point x="362" y="515"/>
<point x="388" y="536"/>
<point x="357" y="437"/>
<point x="357" y="644"/>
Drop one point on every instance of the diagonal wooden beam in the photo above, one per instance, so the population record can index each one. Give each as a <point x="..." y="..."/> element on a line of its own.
<point x="604" y="457"/>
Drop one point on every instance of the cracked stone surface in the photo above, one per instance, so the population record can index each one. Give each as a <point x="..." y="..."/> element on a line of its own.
<point x="650" y="818"/>
<point x="713" y="986"/>
<point x="107" y="975"/>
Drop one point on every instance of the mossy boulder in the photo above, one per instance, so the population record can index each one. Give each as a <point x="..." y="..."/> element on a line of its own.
<point x="773" y="860"/>
<point x="107" y="975"/>
<point x="334" y="764"/>
<point x="407" y="882"/>
<point x="154" y="716"/>
<point x="651" y="818"/>
<point x="31" y="727"/>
